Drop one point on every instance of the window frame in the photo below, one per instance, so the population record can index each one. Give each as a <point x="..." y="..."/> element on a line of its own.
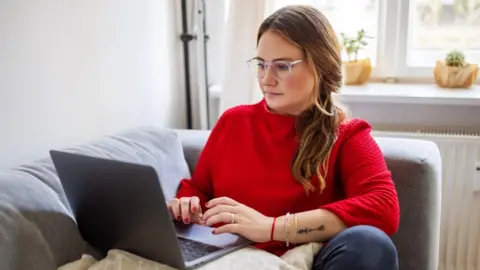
<point x="392" y="53"/>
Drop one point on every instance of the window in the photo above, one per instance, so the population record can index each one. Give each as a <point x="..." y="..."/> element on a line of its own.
<point x="407" y="36"/>
<point x="437" y="26"/>
<point x="361" y="14"/>
<point x="417" y="33"/>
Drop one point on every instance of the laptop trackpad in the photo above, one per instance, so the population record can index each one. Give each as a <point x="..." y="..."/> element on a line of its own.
<point x="204" y="234"/>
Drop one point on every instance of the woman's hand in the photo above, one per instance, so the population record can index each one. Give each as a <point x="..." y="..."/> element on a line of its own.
<point x="187" y="209"/>
<point x="238" y="218"/>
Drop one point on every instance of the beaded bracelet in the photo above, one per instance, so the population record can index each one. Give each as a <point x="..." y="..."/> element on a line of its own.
<point x="287" y="225"/>
<point x="296" y="228"/>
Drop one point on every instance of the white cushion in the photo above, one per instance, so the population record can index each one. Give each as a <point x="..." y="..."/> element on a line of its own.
<point x="299" y="258"/>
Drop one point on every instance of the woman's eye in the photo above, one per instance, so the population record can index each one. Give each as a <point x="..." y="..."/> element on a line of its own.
<point x="260" y="65"/>
<point x="282" y="66"/>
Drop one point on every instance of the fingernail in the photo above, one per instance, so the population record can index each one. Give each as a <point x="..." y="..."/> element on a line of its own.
<point x="206" y="204"/>
<point x="214" y="232"/>
<point x="186" y="220"/>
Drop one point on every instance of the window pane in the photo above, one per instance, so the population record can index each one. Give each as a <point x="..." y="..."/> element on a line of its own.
<point x="348" y="16"/>
<point x="360" y="14"/>
<point x="438" y="26"/>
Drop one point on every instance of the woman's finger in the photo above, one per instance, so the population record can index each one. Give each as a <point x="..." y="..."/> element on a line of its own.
<point x="221" y="218"/>
<point x="195" y="205"/>
<point x="169" y="207"/>
<point x="185" y="209"/>
<point x="175" y="205"/>
<point x="218" y="209"/>
<point x="229" y="228"/>
<point x="196" y="210"/>
<point x="221" y="200"/>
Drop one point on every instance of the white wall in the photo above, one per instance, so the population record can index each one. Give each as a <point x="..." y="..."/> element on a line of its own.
<point x="216" y="29"/>
<point x="71" y="71"/>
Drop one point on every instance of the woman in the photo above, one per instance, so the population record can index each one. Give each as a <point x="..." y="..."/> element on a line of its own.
<point x="292" y="169"/>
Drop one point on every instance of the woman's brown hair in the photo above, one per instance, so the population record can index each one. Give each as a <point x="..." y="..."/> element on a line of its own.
<point x="317" y="127"/>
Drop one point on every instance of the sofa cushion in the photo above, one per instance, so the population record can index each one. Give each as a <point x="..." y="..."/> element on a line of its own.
<point x="159" y="148"/>
<point x="37" y="229"/>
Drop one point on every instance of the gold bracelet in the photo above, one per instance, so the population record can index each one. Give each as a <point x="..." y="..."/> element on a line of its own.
<point x="287" y="225"/>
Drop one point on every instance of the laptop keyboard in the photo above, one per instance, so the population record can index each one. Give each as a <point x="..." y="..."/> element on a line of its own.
<point x="193" y="250"/>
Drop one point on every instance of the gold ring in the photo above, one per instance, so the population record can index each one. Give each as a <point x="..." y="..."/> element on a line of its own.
<point x="233" y="217"/>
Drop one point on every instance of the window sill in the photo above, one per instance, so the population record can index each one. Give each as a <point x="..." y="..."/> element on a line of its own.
<point x="398" y="93"/>
<point x="409" y="93"/>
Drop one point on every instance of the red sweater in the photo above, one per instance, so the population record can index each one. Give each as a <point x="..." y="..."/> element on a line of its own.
<point x="248" y="156"/>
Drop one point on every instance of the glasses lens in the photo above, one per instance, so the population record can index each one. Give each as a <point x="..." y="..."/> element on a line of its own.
<point x="257" y="68"/>
<point x="279" y="70"/>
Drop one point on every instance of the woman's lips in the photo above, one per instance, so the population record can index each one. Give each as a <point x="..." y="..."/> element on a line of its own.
<point x="272" y="94"/>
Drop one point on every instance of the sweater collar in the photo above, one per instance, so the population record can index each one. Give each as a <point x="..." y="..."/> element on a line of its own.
<point x="283" y="125"/>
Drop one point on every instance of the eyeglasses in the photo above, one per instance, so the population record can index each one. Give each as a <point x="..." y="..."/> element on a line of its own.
<point x="279" y="69"/>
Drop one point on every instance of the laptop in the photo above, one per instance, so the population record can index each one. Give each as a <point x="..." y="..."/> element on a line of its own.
<point x="121" y="205"/>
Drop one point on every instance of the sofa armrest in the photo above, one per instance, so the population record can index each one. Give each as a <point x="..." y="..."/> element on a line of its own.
<point x="416" y="170"/>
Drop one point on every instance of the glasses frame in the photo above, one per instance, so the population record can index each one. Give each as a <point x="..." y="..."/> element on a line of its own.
<point x="268" y="64"/>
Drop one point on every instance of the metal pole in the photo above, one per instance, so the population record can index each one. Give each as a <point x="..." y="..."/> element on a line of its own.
<point x="207" y="93"/>
<point x="186" y="38"/>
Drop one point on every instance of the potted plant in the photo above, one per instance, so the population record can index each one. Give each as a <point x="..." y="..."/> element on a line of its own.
<point x="454" y="71"/>
<point x="356" y="71"/>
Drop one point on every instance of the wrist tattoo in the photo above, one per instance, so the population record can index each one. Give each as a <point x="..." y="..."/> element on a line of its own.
<point x="308" y="230"/>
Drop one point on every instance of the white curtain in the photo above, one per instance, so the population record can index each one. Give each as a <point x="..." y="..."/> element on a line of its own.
<point x="238" y="84"/>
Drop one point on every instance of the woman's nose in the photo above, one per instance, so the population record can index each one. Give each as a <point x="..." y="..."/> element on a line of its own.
<point x="269" y="77"/>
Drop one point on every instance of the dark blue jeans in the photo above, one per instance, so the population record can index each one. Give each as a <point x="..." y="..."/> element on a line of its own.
<point x="359" y="248"/>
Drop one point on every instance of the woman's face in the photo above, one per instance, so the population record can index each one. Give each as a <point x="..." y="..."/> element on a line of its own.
<point x="285" y="91"/>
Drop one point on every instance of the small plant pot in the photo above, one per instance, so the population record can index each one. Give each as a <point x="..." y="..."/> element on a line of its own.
<point x="455" y="77"/>
<point x="357" y="72"/>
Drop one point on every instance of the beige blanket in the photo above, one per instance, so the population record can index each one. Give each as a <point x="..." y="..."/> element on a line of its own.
<point x="299" y="258"/>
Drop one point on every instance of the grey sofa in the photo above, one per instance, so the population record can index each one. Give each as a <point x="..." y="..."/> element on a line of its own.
<point x="38" y="231"/>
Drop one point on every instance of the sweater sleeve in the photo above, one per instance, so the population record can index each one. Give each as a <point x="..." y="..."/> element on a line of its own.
<point x="371" y="198"/>
<point x="201" y="184"/>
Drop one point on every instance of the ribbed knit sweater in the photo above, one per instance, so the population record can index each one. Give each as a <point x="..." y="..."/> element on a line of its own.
<point x="248" y="158"/>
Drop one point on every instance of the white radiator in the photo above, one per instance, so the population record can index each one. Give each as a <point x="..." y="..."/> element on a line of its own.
<point x="460" y="209"/>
